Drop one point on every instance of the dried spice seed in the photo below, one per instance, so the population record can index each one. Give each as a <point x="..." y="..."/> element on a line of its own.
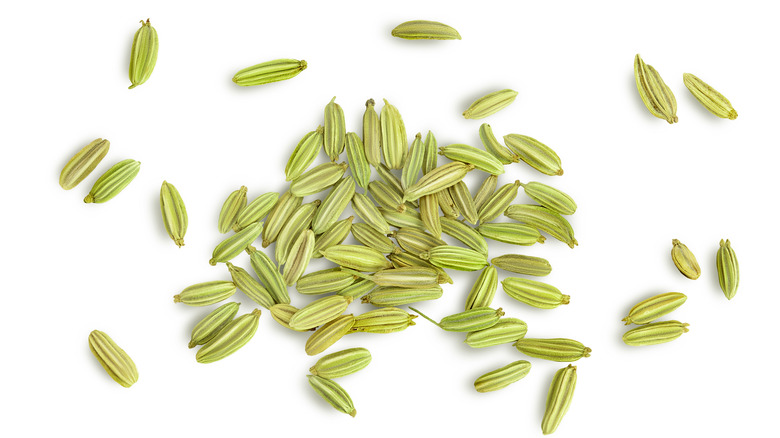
<point x="490" y="104"/>
<point x="208" y="327"/>
<point x="534" y="293"/>
<point x="204" y="294"/>
<point x="335" y="130"/>
<point x="654" y="307"/>
<point x="304" y="154"/>
<point x="523" y="264"/>
<point x="328" y="334"/>
<point x="558" y="349"/>
<point x="333" y="393"/>
<point x="233" y="245"/>
<point x="269" y="71"/>
<point x="684" y="260"/>
<point x="113" y="359"/>
<point x="341" y="363"/>
<point x="655" y="333"/>
<point x="655" y="94"/>
<point x="502" y="377"/>
<point x="559" y="398"/>
<point x="233" y="205"/>
<point x="174" y="213"/>
<point x="728" y="269"/>
<point x="715" y="102"/>
<point x="83" y="163"/>
<point x="425" y="29"/>
<point x="230" y="339"/>
<point x="506" y="331"/>
<point x="534" y="153"/>
<point x="372" y="134"/>
<point x="255" y="211"/>
<point x="143" y="55"/>
<point x="394" y="141"/>
<point x="113" y="181"/>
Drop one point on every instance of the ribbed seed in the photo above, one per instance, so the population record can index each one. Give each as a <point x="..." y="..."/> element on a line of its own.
<point x="415" y="240"/>
<point x="559" y="398"/>
<point x="453" y="257"/>
<point x="143" y="55"/>
<point x="414" y="162"/>
<point x="233" y="245"/>
<point x="523" y="264"/>
<point x="299" y="257"/>
<point x="490" y="104"/>
<point x="715" y="102"/>
<point x="534" y="293"/>
<point x="655" y="94"/>
<point x="557" y="349"/>
<point x="113" y="359"/>
<point x="366" y="210"/>
<point x="83" y="163"/>
<point x="370" y="237"/>
<point x="318" y="179"/>
<point x="234" y="203"/>
<point x="357" y="257"/>
<point x="429" y="213"/>
<point x="516" y="234"/>
<point x="483" y="160"/>
<point x="336" y="234"/>
<point x="394" y="141"/>
<point x="684" y="260"/>
<point x="234" y="336"/>
<point x="654" y="307"/>
<point x="728" y="269"/>
<point x="341" y="363"/>
<point x="325" y="281"/>
<point x="385" y="196"/>
<point x="335" y="129"/>
<point x="550" y="197"/>
<point x="255" y="211"/>
<point x="447" y="204"/>
<point x="333" y="393"/>
<point x="207" y="328"/>
<point x="463" y="202"/>
<point x="506" y="331"/>
<point x="438" y="179"/>
<point x="535" y="153"/>
<point x="278" y="216"/>
<point x="502" y="377"/>
<point x="299" y="221"/>
<point x="384" y="320"/>
<point x="411" y="277"/>
<point x="655" y="333"/>
<point x="113" y="181"/>
<point x="319" y="312"/>
<point x="392" y="181"/>
<point x="405" y="259"/>
<point x="544" y="219"/>
<point x="407" y="218"/>
<point x="174" y="213"/>
<point x="372" y="134"/>
<point x="356" y="157"/>
<point x="491" y="145"/>
<point x="495" y="205"/>
<point x="397" y="296"/>
<point x="250" y="287"/>
<point x="269" y="71"/>
<point x="333" y="205"/>
<point x="478" y="318"/>
<point x="204" y="294"/>
<point x="328" y="334"/>
<point x="464" y="233"/>
<point x="425" y="29"/>
<point x="358" y="289"/>
<point x="304" y="154"/>
<point x="485" y="191"/>
<point x="282" y="313"/>
<point x="431" y="156"/>
<point x="269" y="275"/>
<point x="484" y="289"/>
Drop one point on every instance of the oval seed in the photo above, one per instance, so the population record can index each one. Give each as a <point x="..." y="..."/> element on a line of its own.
<point x="318" y="179"/>
<point x="328" y="334"/>
<point x="655" y="94"/>
<point x="335" y="130"/>
<point x="495" y="148"/>
<point x="523" y="264"/>
<point x="269" y="71"/>
<point x="233" y="245"/>
<point x="304" y="154"/>
<point x="333" y="393"/>
<point x="550" y="197"/>
<point x="453" y="257"/>
<point x="230" y="209"/>
<point x="535" y="153"/>
<point x="484" y="289"/>
<point x="483" y="160"/>
<point x="204" y="294"/>
<point x="715" y="102"/>
<point x="250" y="287"/>
<point x="394" y="141"/>
<point x="230" y="339"/>
<point x="558" y="349"/>
<point x="384" y="320"/>
<point x="544" y="219"/>
<point x="208" y="327"/>
<point x="83" y="163"/>
<point x="559" y="398"/>
<point x="335" y="235"/>
<point x="728" y="269"/>
<point x="506" y="331"/>
<point x="113" y="359"/>
<point x="143" y="55"/>
<point x="414" y="162"/>
<point x="372" y="134"/>
<point x="503" y="376"/>
<point x="333" y="205"/>
<point x="113" y="181"/>
<point x="655" y="333"/>
<point x="356" y="157"/>
<point x="654" y="307"/>
<point x="341" y="363"/>
<point x="319" y="312"/>
<point x="255" y="211"/>
<point x="174" y="213"/>
<point x="490" y="104"/>
<point x="278" y="216"/>
<point x="534" y="293"/>
<point x="425" y="29"/>
<point x="299" y="257"/>
<point x="438" y="179"/>
<point x="684" y="260"/>
<point x="516" y="234"/>
<point x="269" y="275"/>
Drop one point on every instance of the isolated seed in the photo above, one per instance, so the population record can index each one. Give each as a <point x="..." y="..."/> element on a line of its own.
<point x="655" y="94"/>
<point x="143" y="55"/>
<point x="463" y="202"/>
<point x="404" y="259"/>
<point x="424" y="29"/>
<point x="269" y="71"/>
<point x="654" y="307"/>
<point x="333" y="393"/>
<point x="415" y="240"/>
<point x="341" y="363"/>
<point x="204" y="294"/>
<point x="325" y="281"/>
<point x="728" y="269"/>
<point x="174" y="213"/>
<point x="234" y="203"/>
<point x="409" y="218"/>
<point x="490" y="104"/>
<point x="523" y="264"/>
<point x="655" y="333"/>
<point x="208" y="327"/>
<point x="304" y="154"/>
<point x="113" y="359"/>
<point x="559" y="398"/>
<point x="715" y="102"/>
<point x="503" y="376"/>
<point x="366" y="210"/>
<point x="113" y="181"/>
<point x="534" y="293"/>
<point x="358" y="289"/>
<point x="83" y="163"/>
<point x="230" y="339"/>
<point x="429" y="213"/>
<point x="684" y="260"/>
<point x="471" y="320"/>
<point x="558" y="349"/>
<point x="282" y="313"/>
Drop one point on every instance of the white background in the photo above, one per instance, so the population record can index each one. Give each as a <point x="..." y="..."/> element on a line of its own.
<point x="69" y="268"/>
